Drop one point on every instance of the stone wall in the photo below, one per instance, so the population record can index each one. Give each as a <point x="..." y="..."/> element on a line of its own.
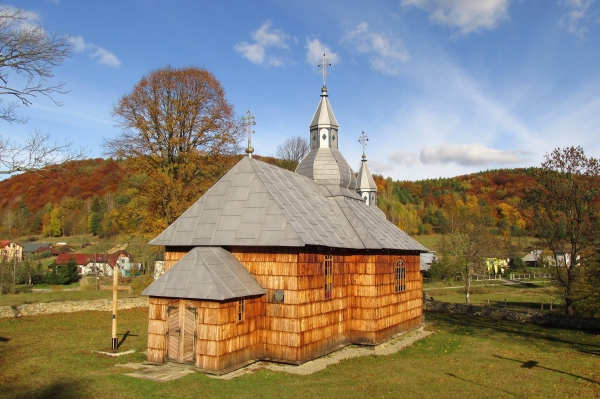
<point x="101" y="305"/>
<point x="546" y="318"/>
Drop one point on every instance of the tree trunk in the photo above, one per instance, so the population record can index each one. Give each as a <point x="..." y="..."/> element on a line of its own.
<point x="468" y="289"/>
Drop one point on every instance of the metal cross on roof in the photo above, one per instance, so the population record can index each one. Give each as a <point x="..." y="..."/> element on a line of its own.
<point x="248" y="121"/>
<point x="323" y="65"/>
<point x="362" y="139"/>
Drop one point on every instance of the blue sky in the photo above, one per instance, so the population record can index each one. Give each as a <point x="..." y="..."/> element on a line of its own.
<point x="441" y="87"/>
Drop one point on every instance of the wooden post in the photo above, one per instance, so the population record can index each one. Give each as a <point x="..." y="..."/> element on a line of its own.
<point x="115" y="288"/>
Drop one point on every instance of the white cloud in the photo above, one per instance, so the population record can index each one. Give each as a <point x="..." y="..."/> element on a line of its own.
<point x="104" y="56"/>
<point x="470" y="155"/>
<point x="398" y="158"/>
<point x="574" y="20"/>
<point x="466" y="15"/>
<point x="315" y="50"/>
<point x="386" y="53"/>
<point x="28" y="20"/>
<point x="264" y="38"/>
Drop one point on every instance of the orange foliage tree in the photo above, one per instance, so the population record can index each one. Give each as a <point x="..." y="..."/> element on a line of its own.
<point x="178" y="134"/>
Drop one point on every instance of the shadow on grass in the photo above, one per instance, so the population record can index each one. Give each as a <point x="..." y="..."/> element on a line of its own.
<point x="4" y="339"/>
<point x="469" y="323"/>
<point x="61" y="389"/>
<point x="532" y="363"/>
<point x="484" y="386"/>
<point x="127" y="334"/>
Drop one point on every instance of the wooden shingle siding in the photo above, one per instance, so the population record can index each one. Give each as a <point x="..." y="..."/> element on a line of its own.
<point x="364" y="308"/>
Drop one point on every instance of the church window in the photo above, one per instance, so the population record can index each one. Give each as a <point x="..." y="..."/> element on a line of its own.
<point x="328" y="276"/>
<point x="324" y="136"/>
<point x="400" y="276"/>
<point x="241" y="310"/>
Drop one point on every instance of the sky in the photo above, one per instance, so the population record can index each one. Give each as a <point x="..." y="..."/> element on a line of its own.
<point x="441" y="87"/>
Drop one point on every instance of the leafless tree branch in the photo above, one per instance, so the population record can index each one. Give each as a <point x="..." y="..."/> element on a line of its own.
<point x="37" y="154"/>
<point x="31" y="52"/>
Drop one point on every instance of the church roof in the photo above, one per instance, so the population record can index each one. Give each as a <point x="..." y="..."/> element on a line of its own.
<point x="324" y="114"/>
<point x="209" y="273"/>
<point x="327" y="166"/>
<point x="365" y="181"/>
<point x="258" y="204"/>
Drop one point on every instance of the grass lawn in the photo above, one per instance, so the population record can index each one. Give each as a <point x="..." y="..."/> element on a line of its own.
<point x="525" y="296"/>
<point x="49" y="356"/>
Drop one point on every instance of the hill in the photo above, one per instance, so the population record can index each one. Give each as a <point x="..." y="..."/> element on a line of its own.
<point x="99" y="196"/>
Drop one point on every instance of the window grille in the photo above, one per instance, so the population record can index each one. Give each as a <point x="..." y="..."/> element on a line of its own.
<point x="400" y="276"/>
<point x="241" y="309"/>
<point x="328" y="276"/>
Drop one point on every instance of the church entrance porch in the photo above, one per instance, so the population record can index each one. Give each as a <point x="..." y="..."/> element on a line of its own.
<point x="181" y="335"/>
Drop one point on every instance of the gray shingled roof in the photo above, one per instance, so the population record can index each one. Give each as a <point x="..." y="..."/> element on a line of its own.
<point x="327" y="166"/>
<point x="258" y="204"/>
<point x="33" y="246"/>
<point x="365" y="181"/>
<point x="205" y="273"/>
<point x="324" y="114"/>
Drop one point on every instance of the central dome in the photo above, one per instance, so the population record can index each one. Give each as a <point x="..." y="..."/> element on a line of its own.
<point x="325" y="164"/>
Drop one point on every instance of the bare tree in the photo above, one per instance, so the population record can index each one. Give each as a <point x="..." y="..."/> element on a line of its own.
<point x="29" y="51"/>
<point x="37" y="154"/>
<point x="293" y="149"/>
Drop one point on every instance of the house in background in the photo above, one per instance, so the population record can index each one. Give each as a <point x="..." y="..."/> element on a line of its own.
<point x="285" y="266"/>
<point x="496" y="265"/>
<point x="89" y="264"/>
<point x="427" y="259"/>
<point x="10" y="250"/>
<point x="33" y="248"/>
<point x="534" y="258"/>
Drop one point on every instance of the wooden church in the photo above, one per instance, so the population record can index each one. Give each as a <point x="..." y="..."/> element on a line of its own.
<point x="285" y="266"/>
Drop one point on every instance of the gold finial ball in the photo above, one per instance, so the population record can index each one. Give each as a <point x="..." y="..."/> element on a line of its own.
<point x="249" y="150"/>
<point x="324" y="89"/>
<point x="364" y="156"/>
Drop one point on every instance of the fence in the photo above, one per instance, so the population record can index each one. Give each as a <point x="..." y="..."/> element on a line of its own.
<point x="481" y="277"/>
<point x="525" y="276"/>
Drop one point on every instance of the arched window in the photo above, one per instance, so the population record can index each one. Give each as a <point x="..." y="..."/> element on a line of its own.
<point x="400" y="276"/>
<point x="328" y="276"/>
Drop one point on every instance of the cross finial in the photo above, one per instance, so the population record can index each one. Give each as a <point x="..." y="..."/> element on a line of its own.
<point x="247" y="122"/>
<point x="362" y="139"/>
<point x="323" y="65"/>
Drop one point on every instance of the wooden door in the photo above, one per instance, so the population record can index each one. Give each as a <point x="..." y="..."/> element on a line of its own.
<point x="182" y="333"/>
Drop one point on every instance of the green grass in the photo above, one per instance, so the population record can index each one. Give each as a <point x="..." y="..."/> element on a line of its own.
<point x="50" y="356"/>
<point x="429" y="241"/>
<point x="527" y="296"/>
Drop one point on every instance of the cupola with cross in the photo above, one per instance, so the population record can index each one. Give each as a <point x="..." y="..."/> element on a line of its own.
<point x="324" y="163"/>
<point x="365" y="184"/>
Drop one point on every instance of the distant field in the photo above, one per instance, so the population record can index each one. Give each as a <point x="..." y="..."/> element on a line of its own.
<point x="527" y="296"/>
<point x="467" y="357"/>
<point x="428" y="240"/>
<point x="431" y="242"/>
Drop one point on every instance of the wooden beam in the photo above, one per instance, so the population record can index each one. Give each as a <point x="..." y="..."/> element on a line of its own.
<point x="118" y="287"/>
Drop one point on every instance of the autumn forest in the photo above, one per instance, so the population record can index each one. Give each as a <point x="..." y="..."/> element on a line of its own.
<point x="100" y="197"/>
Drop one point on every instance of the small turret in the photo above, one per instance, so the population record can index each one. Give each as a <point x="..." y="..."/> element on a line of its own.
<point x="365" y="184"/>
